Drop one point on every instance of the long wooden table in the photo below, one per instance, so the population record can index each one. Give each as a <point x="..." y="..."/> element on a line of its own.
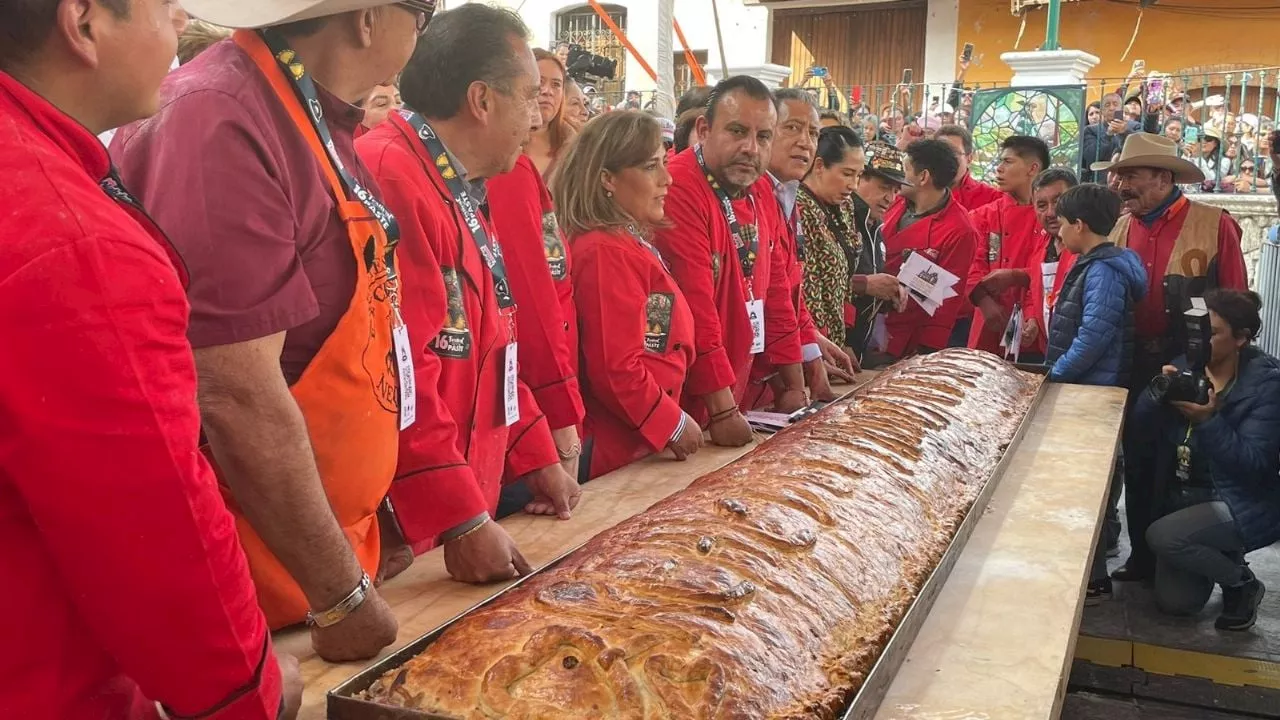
<point x="1001" y="634"/>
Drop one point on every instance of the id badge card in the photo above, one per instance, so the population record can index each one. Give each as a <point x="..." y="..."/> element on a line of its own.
<point x="1048" y="277"/>
<point x="510" y="397"/>
<point x="404" y="369"/>
<point x="1184" y="463"/>
<point x="880" y="334"/>
<point x="755" y="311"/>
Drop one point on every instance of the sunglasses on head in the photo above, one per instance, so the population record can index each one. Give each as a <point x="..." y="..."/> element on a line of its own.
<point x="422" y="11"/>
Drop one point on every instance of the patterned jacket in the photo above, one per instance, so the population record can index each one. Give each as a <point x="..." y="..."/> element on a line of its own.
<point x="831" y="252"/>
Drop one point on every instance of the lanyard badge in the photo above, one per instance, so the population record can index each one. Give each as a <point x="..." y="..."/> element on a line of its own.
<point x="490" y="252"/>
<point x="305" y="89"/>
<point x="747" y="240"/>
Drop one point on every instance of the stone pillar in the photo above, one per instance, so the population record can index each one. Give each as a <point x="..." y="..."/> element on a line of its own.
<point x="1047" y="68"/>
<point x="1255" y="213"/>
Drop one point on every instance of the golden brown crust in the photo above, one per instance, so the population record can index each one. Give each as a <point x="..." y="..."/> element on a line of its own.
<point x="766" y="589"/>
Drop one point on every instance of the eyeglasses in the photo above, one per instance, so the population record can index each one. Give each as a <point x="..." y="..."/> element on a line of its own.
<point x="422" y="11"/>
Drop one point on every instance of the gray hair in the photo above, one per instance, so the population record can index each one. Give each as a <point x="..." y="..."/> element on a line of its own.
<point x="469" y="44"/>
<point x="797" y="95"/>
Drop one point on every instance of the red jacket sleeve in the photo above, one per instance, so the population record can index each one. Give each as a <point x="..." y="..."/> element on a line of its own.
<point x="781" y="321"/>
<point x="98" y="383"/>
<point x="979" y="266"/>
<point x="955" y="254"/>
<point x="611" y="310"/>
<point x="1231" y="269"/>
<point x="686" y="245"/>
<point x="435" y="489"/>
<point x="530" y="446"/>
<point x="546" y="358"/>
<point x="808" y="330"/>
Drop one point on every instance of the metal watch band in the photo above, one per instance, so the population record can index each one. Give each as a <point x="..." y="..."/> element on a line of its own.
<point x="345" y="607"/>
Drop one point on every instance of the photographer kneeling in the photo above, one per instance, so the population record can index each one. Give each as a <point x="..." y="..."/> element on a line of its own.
<point x="1216" y="413"/>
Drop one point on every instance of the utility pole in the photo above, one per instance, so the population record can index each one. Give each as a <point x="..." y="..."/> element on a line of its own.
<point x="724" y="64"/>
<point x="665" y="100"/>
<point x="1051" y="26"/>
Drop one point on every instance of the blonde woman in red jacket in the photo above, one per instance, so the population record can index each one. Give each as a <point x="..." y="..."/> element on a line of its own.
<point x="635" y="326"/>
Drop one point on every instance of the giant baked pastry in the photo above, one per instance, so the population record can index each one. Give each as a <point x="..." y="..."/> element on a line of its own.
<point x="765" y="590"/>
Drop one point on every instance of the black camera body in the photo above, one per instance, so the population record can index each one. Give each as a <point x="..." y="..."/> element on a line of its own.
<point x="1190" y="385"/>
<point x="584" y="64"/>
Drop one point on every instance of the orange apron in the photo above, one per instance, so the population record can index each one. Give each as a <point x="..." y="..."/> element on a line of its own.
<point x="349" y="393"/>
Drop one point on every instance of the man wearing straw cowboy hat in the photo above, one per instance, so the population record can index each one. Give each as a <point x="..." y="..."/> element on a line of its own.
<point x="1188" y="248"/>
<point x="295" y="321"/>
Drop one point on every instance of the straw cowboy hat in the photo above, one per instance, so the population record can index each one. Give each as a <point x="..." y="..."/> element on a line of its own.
<point x="253" y="14"/>
<point x="1144" y="150"/>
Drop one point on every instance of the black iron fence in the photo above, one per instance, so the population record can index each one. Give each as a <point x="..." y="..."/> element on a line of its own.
<point x="1223" y="121"/>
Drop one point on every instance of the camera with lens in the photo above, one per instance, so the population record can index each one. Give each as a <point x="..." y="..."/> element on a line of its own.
<point x="1190" y="385"/>
<point x="584" y="65"/>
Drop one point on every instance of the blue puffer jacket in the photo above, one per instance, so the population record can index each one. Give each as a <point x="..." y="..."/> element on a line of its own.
<point x="1091" y="338"/>
<point x="1241" y="442"/>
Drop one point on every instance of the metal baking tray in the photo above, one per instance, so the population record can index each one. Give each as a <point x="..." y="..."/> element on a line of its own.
<point x="867" y="700"/>
<point x="344" y="703"/>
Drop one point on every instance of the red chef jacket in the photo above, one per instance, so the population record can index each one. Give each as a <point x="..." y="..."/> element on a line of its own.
<point x="125" y="583"/>
<point x="791" y="241"/>
<point x="637" y="346"/>
<point x="790" y="244"/>
<point x="1155" y="244"/>
<point x="704" y="260"/>
<point x="452" y="458"/>
<point x="947" y="238"/>
<point x="1008" y="236"/>
<point x="972" y="194"/>
<point x="538" y="267"/>
<point x="1038" y="308"/>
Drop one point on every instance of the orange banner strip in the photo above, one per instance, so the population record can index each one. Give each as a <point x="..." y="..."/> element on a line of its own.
<point x="698" y="75"/>
<point x="622" y="38"/>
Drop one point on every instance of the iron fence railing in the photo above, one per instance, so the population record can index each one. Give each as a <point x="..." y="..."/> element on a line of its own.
<point x="1224" y="121"/>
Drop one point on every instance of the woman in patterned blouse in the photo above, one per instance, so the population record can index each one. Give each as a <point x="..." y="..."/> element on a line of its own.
<point x="832" y="242"/>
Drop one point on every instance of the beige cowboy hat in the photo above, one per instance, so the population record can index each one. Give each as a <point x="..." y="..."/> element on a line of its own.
<point x="253" y="14"/>
<point x="1144" y="150"/>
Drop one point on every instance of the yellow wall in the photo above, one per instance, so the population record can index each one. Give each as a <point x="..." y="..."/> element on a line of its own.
<point x="1169" y="41"/>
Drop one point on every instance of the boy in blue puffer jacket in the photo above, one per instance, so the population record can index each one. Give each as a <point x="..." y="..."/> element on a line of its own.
<point x="1091" y="337"/>
<point x="1091" y="334"/>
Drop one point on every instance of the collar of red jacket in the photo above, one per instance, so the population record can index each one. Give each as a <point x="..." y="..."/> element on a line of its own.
<point x="73" y="138"/>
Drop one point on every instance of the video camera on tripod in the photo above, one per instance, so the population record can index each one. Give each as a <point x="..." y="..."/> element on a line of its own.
<point x="586" y="67"/>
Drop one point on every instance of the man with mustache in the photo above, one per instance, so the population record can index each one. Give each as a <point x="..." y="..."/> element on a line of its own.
<point x="794" y="145"/>
<point x="470" y="92"/>
<point x="1188" y="248"/>
<point x="1008" y="233"/>
<point x="722" y="246"/>
<point x="877" y="188"/>
<point x="1050" y="261"/>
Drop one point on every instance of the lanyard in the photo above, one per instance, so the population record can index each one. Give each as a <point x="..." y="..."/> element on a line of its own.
<point x="489" y="249"/>
<point x="305" y="88"/>
<point x="793" y="220"/>
<point x="746" y="250"/>
<point x="1191" y="427"/>
<point x="115" y="189"/>
<point x="649" y="246"/>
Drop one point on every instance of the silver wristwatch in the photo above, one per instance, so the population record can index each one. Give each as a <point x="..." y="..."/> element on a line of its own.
<point x="345" y="607"/>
